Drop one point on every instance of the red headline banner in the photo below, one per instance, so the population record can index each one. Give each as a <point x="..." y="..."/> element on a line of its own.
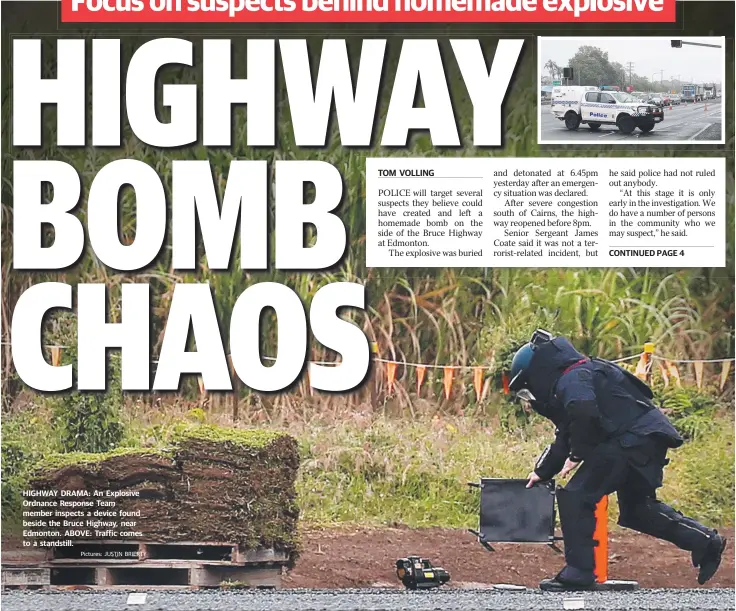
<point x="368" y="11"/>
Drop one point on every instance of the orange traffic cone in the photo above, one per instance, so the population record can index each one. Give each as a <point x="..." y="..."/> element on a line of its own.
<point x="670" y="108"/>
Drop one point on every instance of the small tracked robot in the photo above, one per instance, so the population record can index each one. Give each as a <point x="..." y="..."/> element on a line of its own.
<point x="419" y="574"/>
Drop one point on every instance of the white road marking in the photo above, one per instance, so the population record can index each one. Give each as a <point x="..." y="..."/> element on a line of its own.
<point x="701" y="131"/>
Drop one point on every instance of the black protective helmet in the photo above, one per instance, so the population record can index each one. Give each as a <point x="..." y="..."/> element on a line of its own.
<point x="523" y="358"/>
<point x="519" y="366"/>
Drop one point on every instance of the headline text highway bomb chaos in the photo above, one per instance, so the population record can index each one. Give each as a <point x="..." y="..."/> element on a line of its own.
<point x="177" y="201"/>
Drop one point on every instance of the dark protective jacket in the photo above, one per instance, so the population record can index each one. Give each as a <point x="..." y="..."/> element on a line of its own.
<point x="591" y="401"/>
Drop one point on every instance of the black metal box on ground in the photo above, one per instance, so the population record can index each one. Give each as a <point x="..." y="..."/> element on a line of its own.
<point x="512" y="513"/>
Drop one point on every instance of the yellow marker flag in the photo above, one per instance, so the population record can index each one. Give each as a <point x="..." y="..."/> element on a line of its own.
<point x="724" y="373"/>
<point x="698" y="366"/>
<point x="478" y="382"/>
<point x="449" y="374"/>
<point x="421" y="372"/>
<point x="391" y="376"/>
<point x="55" y="355"/>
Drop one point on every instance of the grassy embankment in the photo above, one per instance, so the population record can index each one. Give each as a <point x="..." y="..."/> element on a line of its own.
<point x="377" y="468"/>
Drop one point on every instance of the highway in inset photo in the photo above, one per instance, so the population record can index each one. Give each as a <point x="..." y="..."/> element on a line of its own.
<point x="687" y="122"/>
<point x="631" y="90"/>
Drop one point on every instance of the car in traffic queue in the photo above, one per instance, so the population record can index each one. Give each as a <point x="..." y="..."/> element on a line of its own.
<point x="589" y="106"/>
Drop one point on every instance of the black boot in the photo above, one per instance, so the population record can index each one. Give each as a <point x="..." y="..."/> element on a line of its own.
<point x="711" y="559"/>
<point x="568" y="579"/>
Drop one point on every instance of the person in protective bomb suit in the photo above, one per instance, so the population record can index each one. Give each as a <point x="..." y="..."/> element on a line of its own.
<point x="608" y="429"/>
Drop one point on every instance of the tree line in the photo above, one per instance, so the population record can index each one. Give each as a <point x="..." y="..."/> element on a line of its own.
<point x="591" y="66"/>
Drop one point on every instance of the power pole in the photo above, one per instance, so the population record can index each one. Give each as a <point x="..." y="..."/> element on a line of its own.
<point x="630" y="66"/>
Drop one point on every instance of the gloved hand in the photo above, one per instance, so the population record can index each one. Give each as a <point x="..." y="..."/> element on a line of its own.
<point x="569" y="466"/>
<point x="533" y="479"/>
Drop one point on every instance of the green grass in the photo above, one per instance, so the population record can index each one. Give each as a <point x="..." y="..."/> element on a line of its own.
<point x="58" y="461"/>
<point x="379" y="469"/>
<point x="408" y="473"/>
<point x="416" y="473"/>
<point x="700" y="478"/>
<point x="248" y="438"/>
<point x="245" y="438"/>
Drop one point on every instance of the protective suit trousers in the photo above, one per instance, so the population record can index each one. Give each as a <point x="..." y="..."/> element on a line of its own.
<point x="634" y="473"/>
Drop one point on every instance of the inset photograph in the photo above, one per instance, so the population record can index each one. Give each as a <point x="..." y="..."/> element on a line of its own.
<point x="629" y="90"/>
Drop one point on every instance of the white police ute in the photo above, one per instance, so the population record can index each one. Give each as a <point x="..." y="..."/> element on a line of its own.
<point x="589" y="105"/>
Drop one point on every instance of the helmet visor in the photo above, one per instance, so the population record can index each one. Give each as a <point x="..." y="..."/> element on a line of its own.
<point x="518" y="381"/>
<point x="526" y="395"/>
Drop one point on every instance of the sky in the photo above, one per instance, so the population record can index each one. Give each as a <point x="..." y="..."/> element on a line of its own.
<point x="649" y="55"/>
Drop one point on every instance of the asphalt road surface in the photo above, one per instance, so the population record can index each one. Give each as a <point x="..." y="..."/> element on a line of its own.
<point x="369" y="600"/>
<point x="685" y="122"/>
